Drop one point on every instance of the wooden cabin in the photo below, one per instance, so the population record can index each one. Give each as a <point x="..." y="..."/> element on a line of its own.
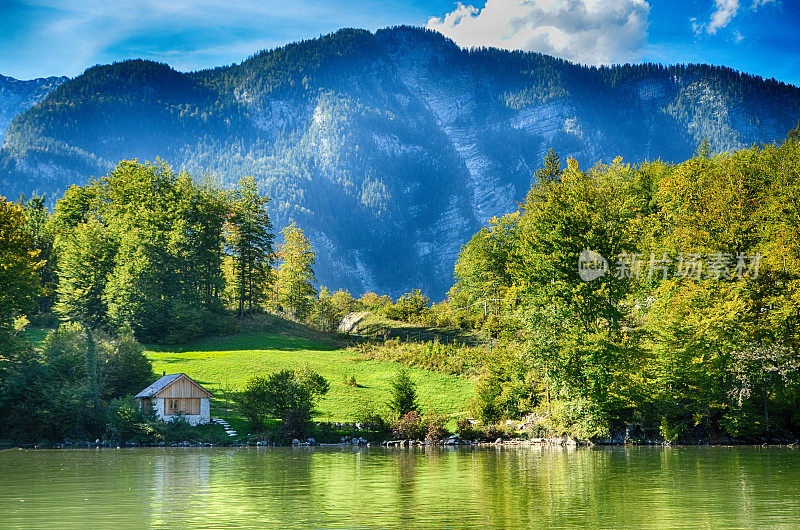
<point x="176" y="395"/>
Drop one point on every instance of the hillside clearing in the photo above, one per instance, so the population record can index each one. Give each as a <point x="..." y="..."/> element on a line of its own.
<point x="231" y="361"/>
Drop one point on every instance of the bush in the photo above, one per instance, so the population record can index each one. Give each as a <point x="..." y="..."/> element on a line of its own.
<point x="410" y="426"/>
<point x="437" y="427"/>
<point x="372" y="421"/>
<point x="466" y="430"/>
<point x="403" y="394"/>
<point x="127" y="423"/>
<point x="579" y="417"/>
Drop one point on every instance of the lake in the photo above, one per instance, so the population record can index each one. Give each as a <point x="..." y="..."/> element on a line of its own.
<point x="413" y="487"/>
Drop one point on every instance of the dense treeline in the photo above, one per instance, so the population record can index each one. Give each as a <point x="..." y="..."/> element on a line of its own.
<point x="691" y="329"/>
<point x="142" y="254"/>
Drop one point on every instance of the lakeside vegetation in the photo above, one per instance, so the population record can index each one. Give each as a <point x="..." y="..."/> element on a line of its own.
<point x="687" y="332"/>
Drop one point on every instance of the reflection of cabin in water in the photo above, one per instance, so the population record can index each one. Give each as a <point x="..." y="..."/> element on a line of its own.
<point x="177" y="394"/>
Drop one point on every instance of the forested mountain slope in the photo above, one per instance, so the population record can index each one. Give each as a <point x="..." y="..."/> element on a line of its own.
<point x="390" y="149"/>
<point x="18" y="96"/>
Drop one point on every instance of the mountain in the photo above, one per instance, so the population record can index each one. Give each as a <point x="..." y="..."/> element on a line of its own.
<point x="389" y="148"/>
<point x="18" y="96"/>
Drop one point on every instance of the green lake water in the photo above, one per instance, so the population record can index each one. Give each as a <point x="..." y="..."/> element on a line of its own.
<point x="719" y="487"/>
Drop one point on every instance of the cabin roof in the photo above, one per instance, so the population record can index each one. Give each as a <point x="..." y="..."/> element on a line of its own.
<point x="163" y="382"/>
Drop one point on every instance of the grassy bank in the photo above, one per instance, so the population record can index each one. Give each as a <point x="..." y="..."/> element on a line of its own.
<point x="231" y="361"/>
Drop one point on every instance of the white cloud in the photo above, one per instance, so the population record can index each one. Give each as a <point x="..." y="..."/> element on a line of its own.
<point x="761" y="3"/>
<point x="585" y="31"/>
<point x="723" y="13"/>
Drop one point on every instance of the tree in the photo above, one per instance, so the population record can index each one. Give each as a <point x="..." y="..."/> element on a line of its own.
<point x="64" y="390"/>
<point x="19" y="265"/>
<point x="704" y="149"/>
<point x="296" y="273"/>
<point x="409" y="307"/>
<point x="250" y="240"/>
<point x="286" y="395"/>
<point x="85" y="262"/>
<point x="125" y="369"/>
<point x="39" y="225"/>
<point x="551" y="170"/>
<point x="486" y="266"/>
<point x="403" y="394"/>
<point x="794" y="134"/>
<point x="142" y="247"/>
<point x="592" y="210"/>
<point x="324" y="313"/>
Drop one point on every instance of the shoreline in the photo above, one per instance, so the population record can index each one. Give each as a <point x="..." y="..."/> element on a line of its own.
<point x="397" y="444"/>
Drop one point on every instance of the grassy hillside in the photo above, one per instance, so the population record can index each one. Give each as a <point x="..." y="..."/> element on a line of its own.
<point x="233" y="360"/>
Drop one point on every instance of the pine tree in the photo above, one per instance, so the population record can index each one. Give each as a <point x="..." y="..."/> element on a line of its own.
<point x="551" y="170"/>
<point x="794" y="134"/>
<point x="704" y="149"/>
<point x="403" y="394"/>
<point x="250" y="240"/>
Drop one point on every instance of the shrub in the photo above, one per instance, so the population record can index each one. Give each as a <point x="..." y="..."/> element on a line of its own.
<point x="371" y="420"/>
<point x="579" y="417"/>
<point x="466" y="430"/>
<point x="410" y="426"/>
<point x="179" y="430"/>
<point x="437" y="427"/>
<point x="403" y="394"/>
<point x="126" y="422"/>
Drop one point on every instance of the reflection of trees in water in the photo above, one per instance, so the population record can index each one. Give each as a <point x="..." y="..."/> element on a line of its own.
<point x="406" y="463"/>
<point x="179" y="479"/>
<point x="276" y="485"/>
<point x="435" y="487"/>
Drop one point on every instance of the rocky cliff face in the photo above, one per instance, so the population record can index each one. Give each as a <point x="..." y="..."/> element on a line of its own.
<point x="18" y="96"/>
<point x="390" y="149"/>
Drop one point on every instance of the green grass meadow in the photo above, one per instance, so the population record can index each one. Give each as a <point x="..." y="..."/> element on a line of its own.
<point x="232" y="360"/>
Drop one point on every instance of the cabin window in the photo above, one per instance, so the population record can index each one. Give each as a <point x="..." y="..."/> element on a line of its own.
<point x="182" y="405"/>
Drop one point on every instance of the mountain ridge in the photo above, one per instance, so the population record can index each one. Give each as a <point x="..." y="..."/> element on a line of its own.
<point x="390" y="148"/>
<point x="17" y="96"/>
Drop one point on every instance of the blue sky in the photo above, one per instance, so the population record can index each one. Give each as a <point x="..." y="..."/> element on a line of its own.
<point x="61" y="37"/>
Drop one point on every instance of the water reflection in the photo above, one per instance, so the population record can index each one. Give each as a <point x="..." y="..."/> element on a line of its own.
<point x="412" y="487"/>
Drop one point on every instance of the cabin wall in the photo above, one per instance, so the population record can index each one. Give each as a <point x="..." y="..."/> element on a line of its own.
<point x="193" y="419"/>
